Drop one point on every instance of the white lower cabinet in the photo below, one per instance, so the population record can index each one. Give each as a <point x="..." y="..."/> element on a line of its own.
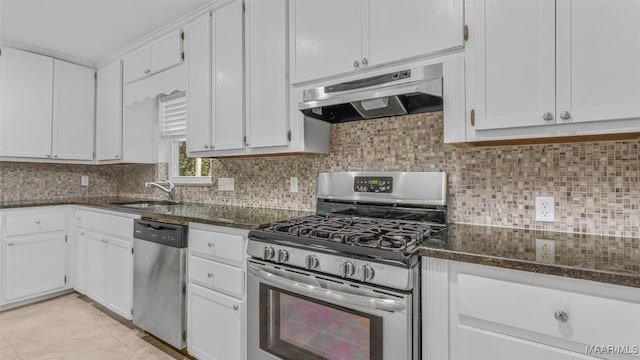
<point x="109" y="266"/>
<point x="80" y="265"/>
<point x="35" y="265"/>
<point x="496" y="313"/>
<point x="216" y="320"/>
<point x="34" y="259"/>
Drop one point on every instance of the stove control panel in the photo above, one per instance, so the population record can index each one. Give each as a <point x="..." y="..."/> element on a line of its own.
<point x="395" y="277"/>
<point x="370" y="184"/>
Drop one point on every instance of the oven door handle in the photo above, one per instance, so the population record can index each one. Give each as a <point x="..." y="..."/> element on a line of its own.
<point x="334" y="296"/>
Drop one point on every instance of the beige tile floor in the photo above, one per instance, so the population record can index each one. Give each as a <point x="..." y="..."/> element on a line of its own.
<point x="72" y="326"/>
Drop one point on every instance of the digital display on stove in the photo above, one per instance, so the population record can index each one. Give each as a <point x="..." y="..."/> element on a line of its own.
<point x="370" y="184"/>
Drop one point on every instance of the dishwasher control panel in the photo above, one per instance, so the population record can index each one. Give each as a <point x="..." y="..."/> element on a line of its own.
<point x="174" y="235"/>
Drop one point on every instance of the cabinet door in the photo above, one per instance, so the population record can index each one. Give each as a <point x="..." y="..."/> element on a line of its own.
<point x="80" y="278"/>
<point x="326" y="37"/>
<point x="73" y="111"/>
<point x="215" y="324"/>
<point x="26" y="92"/>
<point x="400" y="29"/>
<point x="227" y="78"/>
<point x="119" y="276"/>
<point x="166" y="52"/>
<point x="267" y="116"/>
<point x="598" y="66"/>
<point x="198" y="57"/>
<point x="35" y="265"/>
<point x="514" y="63"/>
<point x="136" y="65"/>
<point x="96" y="266"/>
<point x="109" y="112"/>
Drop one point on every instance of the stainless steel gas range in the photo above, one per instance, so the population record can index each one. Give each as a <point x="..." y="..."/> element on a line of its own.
<point x="345" y="283"/>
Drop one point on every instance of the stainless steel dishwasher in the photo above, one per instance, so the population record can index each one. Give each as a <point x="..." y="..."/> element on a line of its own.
<point x="159" y="280"/>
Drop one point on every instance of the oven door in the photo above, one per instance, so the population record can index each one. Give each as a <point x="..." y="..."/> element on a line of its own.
<point x="298" y="315"/>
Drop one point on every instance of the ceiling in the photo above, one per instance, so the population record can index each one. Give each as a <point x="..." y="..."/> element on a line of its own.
<point x="86" y="31"/>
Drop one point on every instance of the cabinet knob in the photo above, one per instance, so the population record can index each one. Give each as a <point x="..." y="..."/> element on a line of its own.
<point x="48" y="155"/>
<point x="561" y="316"/>
<point x="236" y="307"/>
<point x="210" y="244"/>
<point x="55" y="156"/>
<point x="10" y="243"/>
<point x="209" y="275"/>
<point x="356" y="64"/>
<point x="117" y="156"/>
<point x="565" y="115"/>
<point x="38" y="222"/>
<point x="365" y="61"/>
<point x="547" y="116"/>
<point x="206" y="146"/>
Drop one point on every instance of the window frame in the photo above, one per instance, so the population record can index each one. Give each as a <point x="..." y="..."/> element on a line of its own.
<point x="174" y="166"/>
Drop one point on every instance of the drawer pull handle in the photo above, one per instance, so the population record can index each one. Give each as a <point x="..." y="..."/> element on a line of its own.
<point x="561" y="316"/>
<point x="209" y="275"/>
<point x="210" y="244"/>
<point x="236" y="307"/>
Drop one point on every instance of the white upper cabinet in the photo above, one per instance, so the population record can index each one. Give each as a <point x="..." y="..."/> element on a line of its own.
<point x="215" y="90"/>
<point x="26" y="95"/>
<point x="598" y="66"/>
<point x="514" y="72"/>
<point x="109" y="112"/>
<point x="537" y="69"/>
<point x="336" y="37"/>
<point x="198" y="58"/>
<point x="73" y="111"/>
<point x="400" y="29"/>
<point x="326" y="36"/>
<point x="47" y="107"/>
<point x="154" y="57"/>
<point x="267" y="114"/>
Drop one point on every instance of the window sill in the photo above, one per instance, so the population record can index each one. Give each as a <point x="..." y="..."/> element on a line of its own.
<point x="203" y="181"/>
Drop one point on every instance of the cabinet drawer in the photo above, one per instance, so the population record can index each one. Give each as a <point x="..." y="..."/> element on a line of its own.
<point x="35" y="222"/>
<point x="590" y="319"/>
<point x="110" y="224"/>
<point x="217" y="245"/>
<point x="216" y="275"/>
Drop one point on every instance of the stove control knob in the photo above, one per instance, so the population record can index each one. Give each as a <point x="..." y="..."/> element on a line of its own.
<point x="366" y="272"/>
<point x="269" y="253"/>
<point x="311" y="262"/>
<point x="283" y="255"/>
<point x="347" y="269"/>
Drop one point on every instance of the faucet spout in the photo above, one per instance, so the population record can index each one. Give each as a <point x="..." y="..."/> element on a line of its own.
<point x="167" y="188"/>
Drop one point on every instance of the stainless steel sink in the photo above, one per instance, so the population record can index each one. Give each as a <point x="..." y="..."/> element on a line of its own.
<point x="142" y="204"/>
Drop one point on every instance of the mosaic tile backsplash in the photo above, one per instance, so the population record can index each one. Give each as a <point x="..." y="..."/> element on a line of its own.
<point x="596" y="185"/>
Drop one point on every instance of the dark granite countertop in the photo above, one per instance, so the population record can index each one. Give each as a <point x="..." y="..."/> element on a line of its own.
<point x="608" y="259"/>
<point x="213" y="214"/>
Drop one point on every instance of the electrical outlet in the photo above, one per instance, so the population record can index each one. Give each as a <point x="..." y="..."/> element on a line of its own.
<point x="546" y="251"/>
<point x="293" y="184"/>
<point x="226" y="184"/>
<point x="545" y="209"/>
<point x="84" y="180"/>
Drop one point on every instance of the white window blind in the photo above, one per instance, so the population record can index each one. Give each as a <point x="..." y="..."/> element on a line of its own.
<point x="173" y="115"/>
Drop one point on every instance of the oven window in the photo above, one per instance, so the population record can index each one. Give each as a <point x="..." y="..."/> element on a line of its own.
<point x="296" y="327"/>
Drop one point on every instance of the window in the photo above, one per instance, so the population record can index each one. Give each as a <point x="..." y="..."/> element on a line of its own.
<point x="173" y="128"/>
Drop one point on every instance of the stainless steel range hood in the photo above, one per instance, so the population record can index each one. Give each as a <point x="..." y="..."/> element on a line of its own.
<point x="410" y="91"/>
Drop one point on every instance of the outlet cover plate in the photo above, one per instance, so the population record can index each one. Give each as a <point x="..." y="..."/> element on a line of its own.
<point x="293" y="184"/>
<point x="84" y="180"/>
<point x="545" y="209"/>
<point x="226" y="184"/>
<point x="545" y="251"/>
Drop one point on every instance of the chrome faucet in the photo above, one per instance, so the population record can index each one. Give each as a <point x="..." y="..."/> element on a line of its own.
<point x="168" y="189"/>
